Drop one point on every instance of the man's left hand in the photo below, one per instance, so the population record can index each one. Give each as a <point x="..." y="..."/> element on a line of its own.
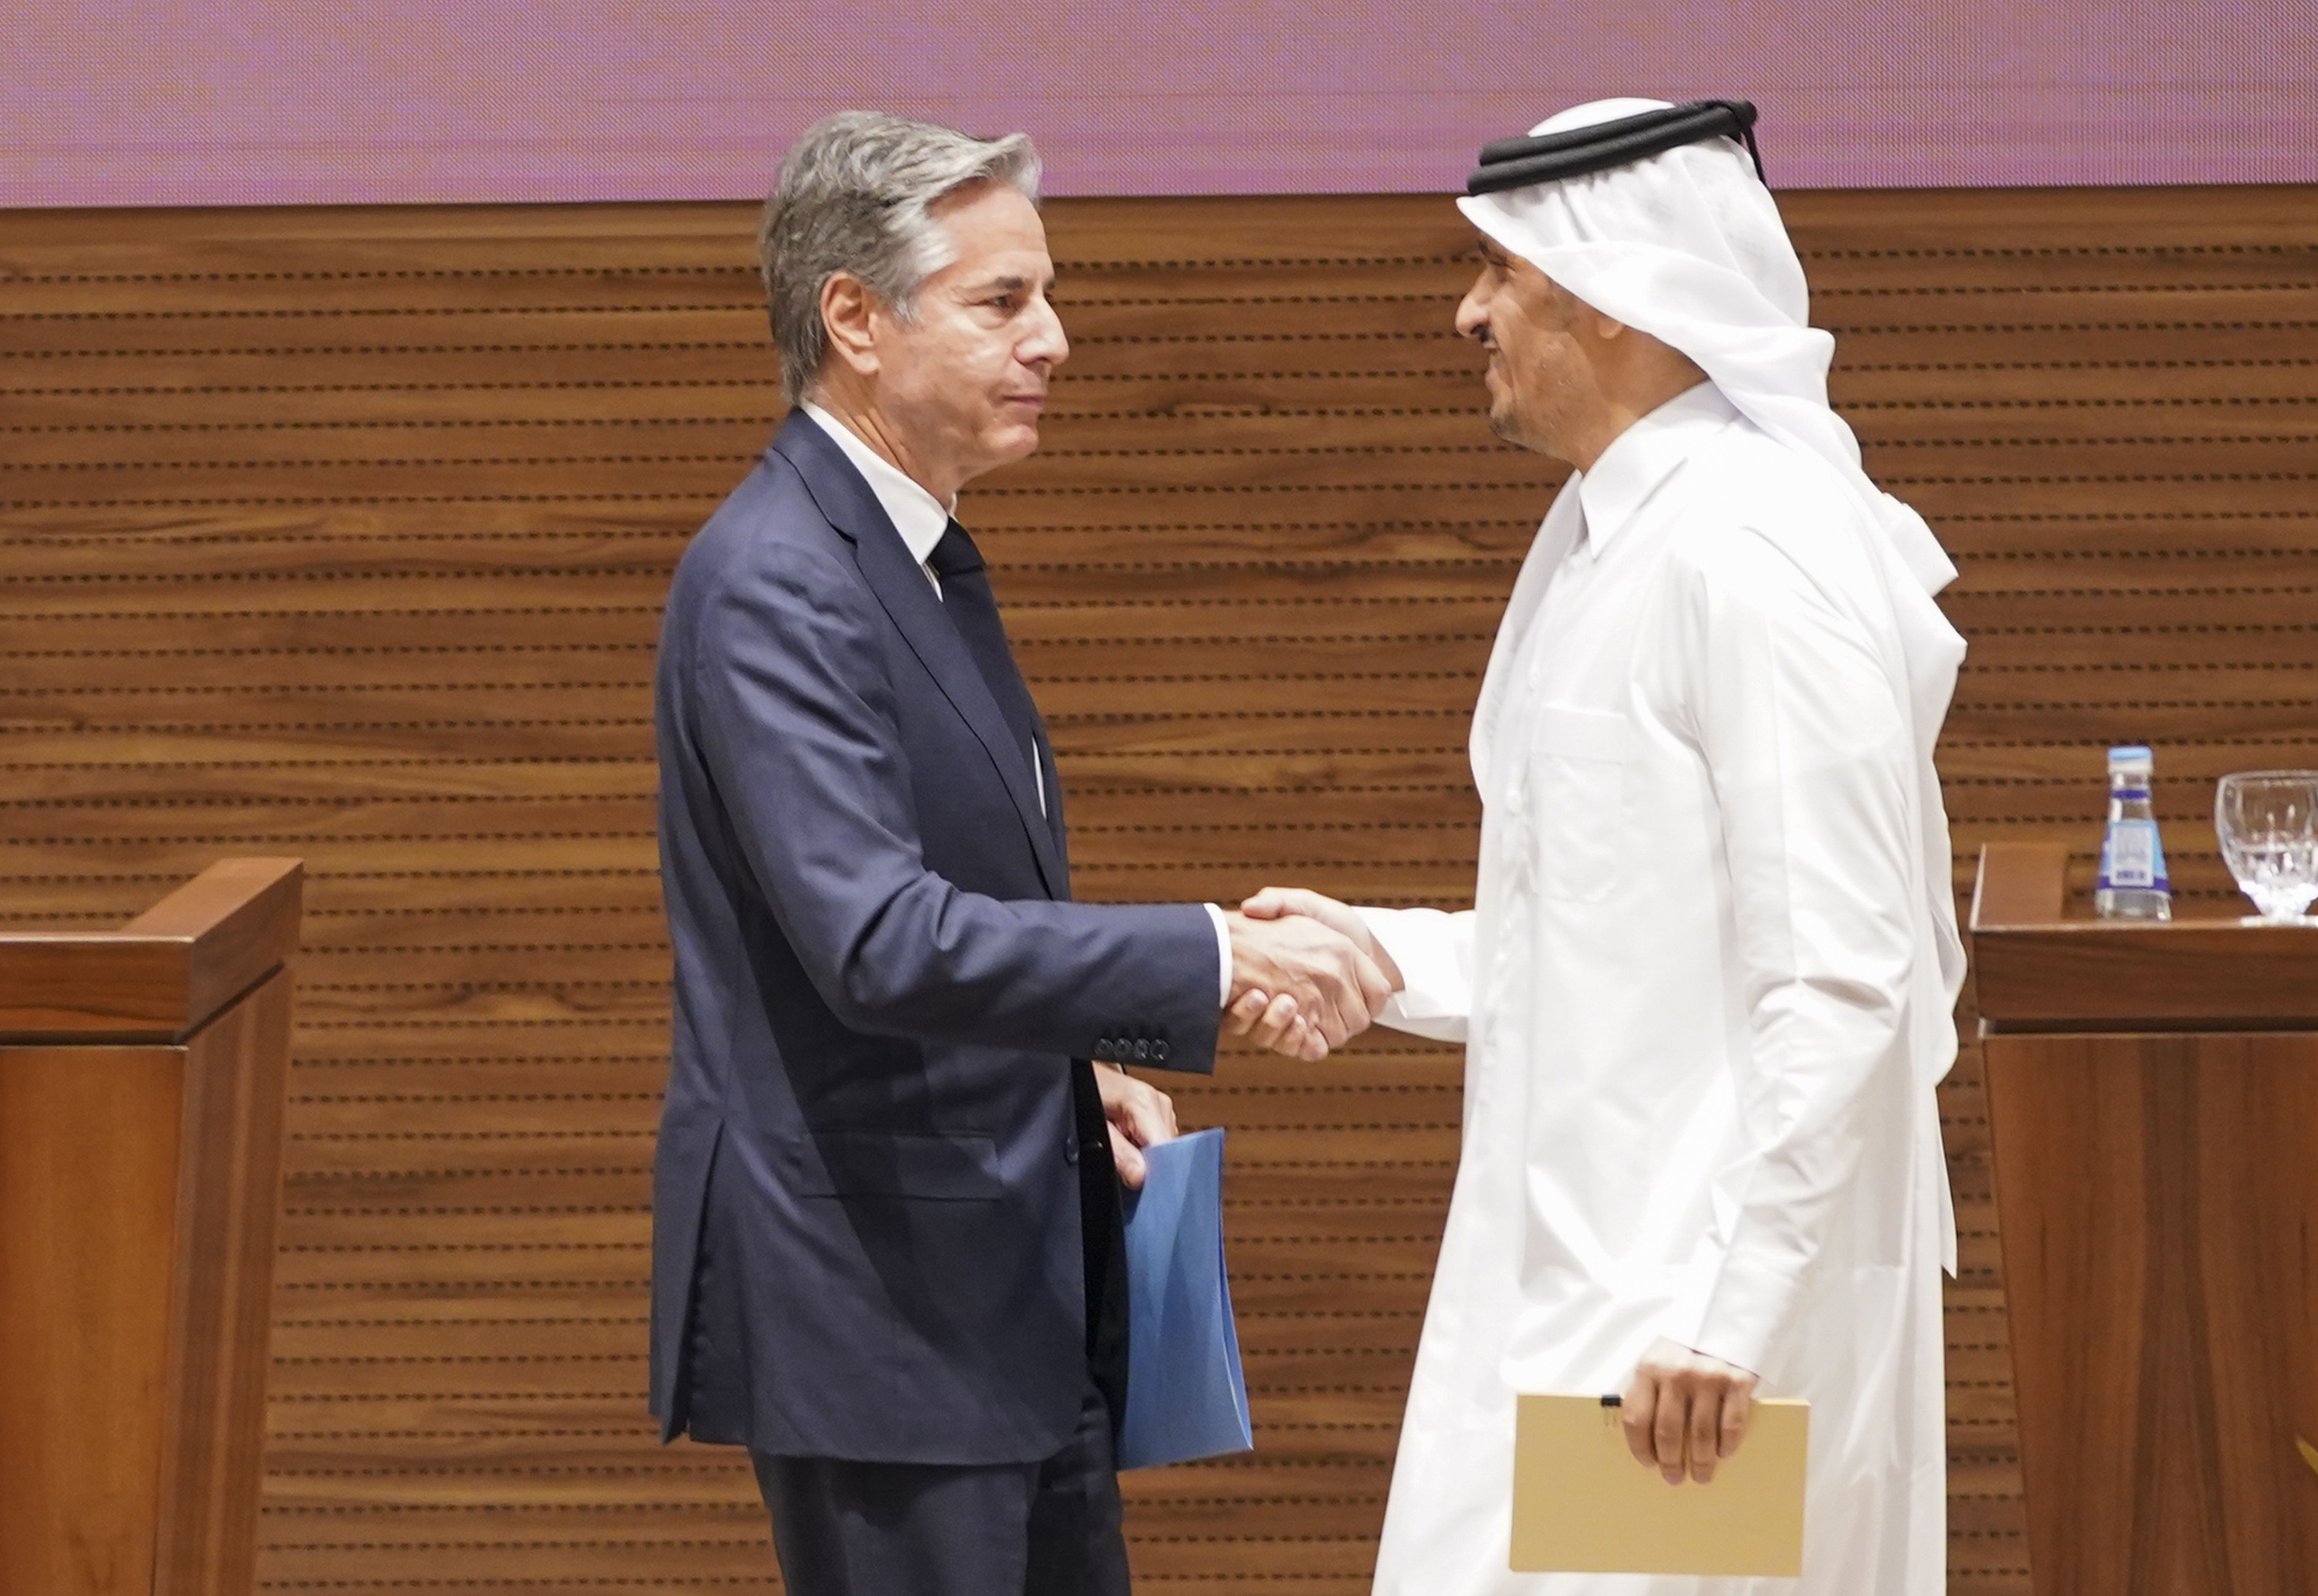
<point x="1684" y="1407"/>
<point x="1140" y="1117"/>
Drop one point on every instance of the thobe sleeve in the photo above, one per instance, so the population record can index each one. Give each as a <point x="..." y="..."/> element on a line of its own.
<point x="1434" y="951"/>
<point x="1805" y="741"/>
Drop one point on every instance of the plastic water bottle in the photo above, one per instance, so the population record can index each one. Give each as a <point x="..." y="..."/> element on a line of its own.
<point x="2132" y="885"/>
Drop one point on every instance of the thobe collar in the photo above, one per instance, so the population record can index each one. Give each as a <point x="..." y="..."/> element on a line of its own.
<point x="1640" y="459"/>
<point x="918" y="515"/>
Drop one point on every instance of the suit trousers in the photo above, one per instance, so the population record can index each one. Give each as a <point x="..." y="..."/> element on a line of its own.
<point x="1047" y="1528"/>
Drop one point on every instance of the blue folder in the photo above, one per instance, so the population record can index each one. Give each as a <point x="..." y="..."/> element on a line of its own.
<point x="1186" y="1396"/>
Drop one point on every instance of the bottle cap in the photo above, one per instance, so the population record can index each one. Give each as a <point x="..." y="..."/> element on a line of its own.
<point x="2131" y="754"/>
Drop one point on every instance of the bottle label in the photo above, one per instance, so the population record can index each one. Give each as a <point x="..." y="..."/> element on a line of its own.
<point x="2132" y="857"/>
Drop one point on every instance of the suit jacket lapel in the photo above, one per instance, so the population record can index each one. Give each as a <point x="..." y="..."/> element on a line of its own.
<point x="902" y="587"/>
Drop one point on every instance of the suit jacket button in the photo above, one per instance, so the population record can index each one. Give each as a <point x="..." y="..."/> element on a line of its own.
<point x="1159" y="1051"/>
<point x="1142" y="1050"/>
<point x="1071" y="1151"/>
<point x="1102" y="1048"/>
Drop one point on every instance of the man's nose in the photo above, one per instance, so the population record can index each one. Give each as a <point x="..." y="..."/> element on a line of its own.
<point x="1048" y="344"/>
<point x="1472" y="315"/>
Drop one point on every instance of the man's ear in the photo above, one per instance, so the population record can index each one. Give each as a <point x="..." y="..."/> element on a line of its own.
<point x="849" y="313"/>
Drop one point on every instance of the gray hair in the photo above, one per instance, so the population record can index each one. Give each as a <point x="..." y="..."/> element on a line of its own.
<point x="856" y="195"/>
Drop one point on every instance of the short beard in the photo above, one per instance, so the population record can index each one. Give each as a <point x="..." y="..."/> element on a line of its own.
<point x="1538" y="428"/>
<point x="1506" y="421"/>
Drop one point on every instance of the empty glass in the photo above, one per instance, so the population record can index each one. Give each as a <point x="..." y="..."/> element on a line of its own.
<point x="2267" y="821"/>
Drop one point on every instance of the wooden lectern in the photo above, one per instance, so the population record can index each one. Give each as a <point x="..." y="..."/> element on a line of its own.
<point x="2153" y="1100"/>
<point x="142" y="1077"/>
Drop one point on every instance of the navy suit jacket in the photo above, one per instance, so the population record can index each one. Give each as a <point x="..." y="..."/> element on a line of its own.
<point x="866" y="1235"/>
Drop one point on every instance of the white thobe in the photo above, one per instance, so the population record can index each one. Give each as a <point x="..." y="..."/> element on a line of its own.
<point x="1705" y="1008"/>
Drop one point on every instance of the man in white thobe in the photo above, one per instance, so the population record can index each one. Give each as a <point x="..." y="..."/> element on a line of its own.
<point x="1707" y="989"/>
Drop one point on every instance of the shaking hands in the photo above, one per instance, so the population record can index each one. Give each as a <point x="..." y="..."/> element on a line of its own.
<point x="1305" y="974"/>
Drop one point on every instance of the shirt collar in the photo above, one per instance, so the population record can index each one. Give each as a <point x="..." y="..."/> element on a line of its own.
<point x="918" y="515"/>
<point x="1645" y="455"/>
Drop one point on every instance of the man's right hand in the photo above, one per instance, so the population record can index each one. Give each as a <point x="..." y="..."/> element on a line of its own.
<point x="1272" y="903"/>
<point x="1335" y="989"/>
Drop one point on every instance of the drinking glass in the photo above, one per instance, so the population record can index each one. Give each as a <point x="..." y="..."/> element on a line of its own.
<point x="2267" y="821"/>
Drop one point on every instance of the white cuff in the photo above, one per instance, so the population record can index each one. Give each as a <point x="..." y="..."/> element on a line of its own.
<point x="1223" y="953"/>
<point x="1746" y="1316"/>
<point x="1433" y="950"/>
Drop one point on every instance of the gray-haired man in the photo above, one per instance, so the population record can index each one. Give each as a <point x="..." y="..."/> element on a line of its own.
<point x="886" y="1221"/>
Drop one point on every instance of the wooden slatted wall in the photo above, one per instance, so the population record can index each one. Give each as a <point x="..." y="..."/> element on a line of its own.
<point x="343" y="532"/>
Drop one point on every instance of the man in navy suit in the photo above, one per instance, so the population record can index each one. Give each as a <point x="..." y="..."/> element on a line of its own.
<point x="885" y="1209"/>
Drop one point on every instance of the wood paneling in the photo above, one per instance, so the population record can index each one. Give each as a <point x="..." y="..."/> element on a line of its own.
<point x="342" y="534"/>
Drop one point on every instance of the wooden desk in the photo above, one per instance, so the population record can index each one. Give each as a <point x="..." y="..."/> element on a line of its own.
<point x="142" y="1077"/>
<point x="2153" y="1103"/>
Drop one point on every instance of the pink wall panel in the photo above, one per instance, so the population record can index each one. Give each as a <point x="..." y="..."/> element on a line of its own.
<point x="215" y="102"/>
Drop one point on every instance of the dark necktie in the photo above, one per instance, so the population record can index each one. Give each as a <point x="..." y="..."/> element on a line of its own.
<point x="966" y="597"/>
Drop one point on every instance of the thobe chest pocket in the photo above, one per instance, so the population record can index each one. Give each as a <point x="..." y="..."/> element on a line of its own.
<point x="1577" y="782"/>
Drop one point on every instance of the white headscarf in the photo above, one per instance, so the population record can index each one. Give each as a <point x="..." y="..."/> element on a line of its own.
<point x="1688" y="246"/>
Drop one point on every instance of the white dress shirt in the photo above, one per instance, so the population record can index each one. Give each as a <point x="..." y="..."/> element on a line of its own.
<point x="1701" y="996"/>
<point x="921" y="519"/>
<point x="917" y="515"/>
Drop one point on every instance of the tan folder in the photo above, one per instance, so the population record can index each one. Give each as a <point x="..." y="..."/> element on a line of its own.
<point x="1582" y="1504"/>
